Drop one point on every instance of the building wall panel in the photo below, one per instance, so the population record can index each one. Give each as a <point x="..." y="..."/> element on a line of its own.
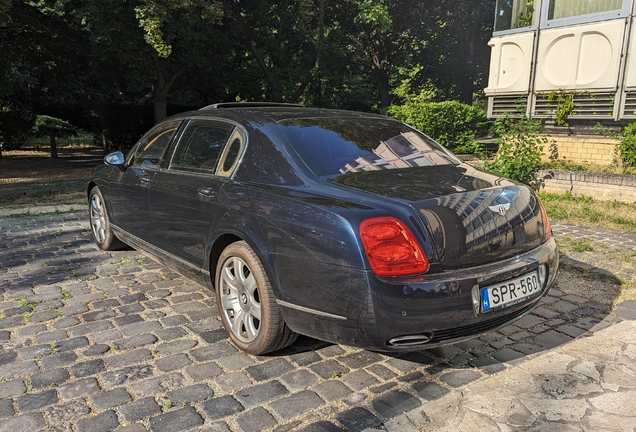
<point x="510" y="63"/>
<point x="583" y="57"/>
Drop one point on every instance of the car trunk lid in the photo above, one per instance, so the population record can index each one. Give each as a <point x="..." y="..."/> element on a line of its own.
<point x="472" y="217"/>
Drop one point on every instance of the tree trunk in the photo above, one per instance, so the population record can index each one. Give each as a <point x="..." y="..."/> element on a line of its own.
<point x="467" y="38"/>
<point x="53" y="146"/>
<point x="160" y="99"/>
<point x="105" y="141"/>
<point x="381" y="64"/>
<point x="162" y="86"/>
<point x="466" y="89"/>
<point x="274" y="91"/>
<point x="383" y="89"/>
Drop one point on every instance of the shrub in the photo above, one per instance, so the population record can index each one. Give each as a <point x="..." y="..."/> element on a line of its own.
<point x="627" y="147"/>
<point x="47" y="126"/>
<point x="520" y="150"/>
<point x="453" y="124"/>
<point x="53" y="128"/>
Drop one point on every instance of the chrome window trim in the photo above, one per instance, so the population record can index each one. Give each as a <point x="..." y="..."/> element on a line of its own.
<point x="237" y="133"/>
<point x="177" y="135"/>
<point x="215" y="173"/>
<point x="175" y="147"/>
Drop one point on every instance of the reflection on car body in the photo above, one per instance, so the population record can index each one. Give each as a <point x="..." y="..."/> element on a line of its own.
<point x="349" y="227"/>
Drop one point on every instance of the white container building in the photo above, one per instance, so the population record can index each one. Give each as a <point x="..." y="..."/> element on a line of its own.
<point x="544" y="49"/>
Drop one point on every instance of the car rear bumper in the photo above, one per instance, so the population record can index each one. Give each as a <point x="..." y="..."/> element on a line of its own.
<point x="417" y="313"/>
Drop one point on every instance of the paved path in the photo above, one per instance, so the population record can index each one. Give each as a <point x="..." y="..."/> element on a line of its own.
<point x="94" y="341"/>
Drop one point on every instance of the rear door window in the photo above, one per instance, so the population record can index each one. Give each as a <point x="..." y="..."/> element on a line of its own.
<point x="200" y="146"/>
<point x="232" y="153"/>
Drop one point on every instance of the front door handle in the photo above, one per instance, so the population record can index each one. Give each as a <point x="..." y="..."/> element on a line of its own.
<point x="206" y="191"/>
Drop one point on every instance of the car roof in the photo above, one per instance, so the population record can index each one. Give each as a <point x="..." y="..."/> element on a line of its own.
<point x="271" y="112"/>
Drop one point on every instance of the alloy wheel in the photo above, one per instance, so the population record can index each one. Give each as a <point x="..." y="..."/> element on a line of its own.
<point x="240" y="300"/>
<point x="98" y="219"/>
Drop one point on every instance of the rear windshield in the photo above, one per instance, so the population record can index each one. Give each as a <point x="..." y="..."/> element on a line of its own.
<point x="336" y="146"/>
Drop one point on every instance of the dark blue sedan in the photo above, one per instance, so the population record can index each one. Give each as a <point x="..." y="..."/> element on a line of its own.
<point x="348" y="227"/>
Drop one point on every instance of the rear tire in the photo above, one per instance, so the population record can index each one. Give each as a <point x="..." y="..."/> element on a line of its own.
<point x="103" y="235"/>
<point x="247" y="304"/>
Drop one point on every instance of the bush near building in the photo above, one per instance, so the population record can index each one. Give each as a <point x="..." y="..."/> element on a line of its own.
<point x="453" y="124"/>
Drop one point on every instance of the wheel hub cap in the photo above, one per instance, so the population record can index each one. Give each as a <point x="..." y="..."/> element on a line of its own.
<point x="98" y="219"/>
<point x="240" y="301"/>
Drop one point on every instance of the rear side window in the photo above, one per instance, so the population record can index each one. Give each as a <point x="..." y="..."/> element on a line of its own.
<point x="200" y="146"/>
<point x="332" y="146"/>
<point x="232" y="154"/>
<point x="154" y="144"/>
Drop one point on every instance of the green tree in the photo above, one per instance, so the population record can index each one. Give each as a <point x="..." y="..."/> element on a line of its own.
<point x="382" y="34"/>
<point x="111" y="60"/>
<point x="39" y="65"/>
<point x="53" y="128"/>
<point x="285" y="39"/>
<point x="181" y="34"/>
<point x="455" y="54"/>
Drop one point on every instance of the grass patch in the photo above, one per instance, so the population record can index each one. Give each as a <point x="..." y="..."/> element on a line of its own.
<point x="56" y="192"/>
<point x="23" y="302"/>
<point x="587" y="211"/>
<point x="30" y="176"/>
<point x="628" y="291"/>
<point x="567" y="244"/>
<point x="592" y="285"/>
<point x="43" y="143"/>
<point x="622" y="255"/>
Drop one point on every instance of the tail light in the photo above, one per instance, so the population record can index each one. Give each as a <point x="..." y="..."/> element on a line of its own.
<point x="546" y="221"/>
<point x="391" y="248"/>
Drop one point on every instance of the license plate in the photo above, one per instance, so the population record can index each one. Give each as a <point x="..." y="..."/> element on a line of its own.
<point x="510" y="292"/>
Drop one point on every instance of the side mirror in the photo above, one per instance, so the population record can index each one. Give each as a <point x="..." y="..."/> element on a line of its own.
<point x="115" y="158"/>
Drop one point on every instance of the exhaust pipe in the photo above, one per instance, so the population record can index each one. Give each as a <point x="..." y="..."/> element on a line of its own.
<point x="411" y="340"/>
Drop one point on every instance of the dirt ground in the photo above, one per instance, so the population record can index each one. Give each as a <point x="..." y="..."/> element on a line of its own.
<point x="29" y="176"/>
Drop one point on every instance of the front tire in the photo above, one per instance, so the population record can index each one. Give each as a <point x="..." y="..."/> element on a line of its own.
<point x="247" y="304"/>
<point x="103" y="235"/>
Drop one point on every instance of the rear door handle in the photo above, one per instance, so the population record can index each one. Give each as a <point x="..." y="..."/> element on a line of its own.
<point x="206" y="191"/>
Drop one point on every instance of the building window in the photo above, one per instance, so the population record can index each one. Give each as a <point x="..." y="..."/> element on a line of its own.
<point x="513" y="14"/>
<point x="557" y="13"/>
<point x="571" y="8"/>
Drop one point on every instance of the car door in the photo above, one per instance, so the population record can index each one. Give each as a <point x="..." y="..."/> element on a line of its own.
<point x="182" y="196"/>
<point x="130" y="188"/>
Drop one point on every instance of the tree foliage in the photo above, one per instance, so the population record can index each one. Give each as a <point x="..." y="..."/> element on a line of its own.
<point x="627" y="147"/>
<point x="53" y="128"/>
<point x="47" y="126"/>
<point x="520" y="149"/>
<point x="85" y="60"/>
<point x="453" y="124"/>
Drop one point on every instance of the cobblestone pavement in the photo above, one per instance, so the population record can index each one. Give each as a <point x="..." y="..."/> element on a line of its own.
<point x="94" y="341"/>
